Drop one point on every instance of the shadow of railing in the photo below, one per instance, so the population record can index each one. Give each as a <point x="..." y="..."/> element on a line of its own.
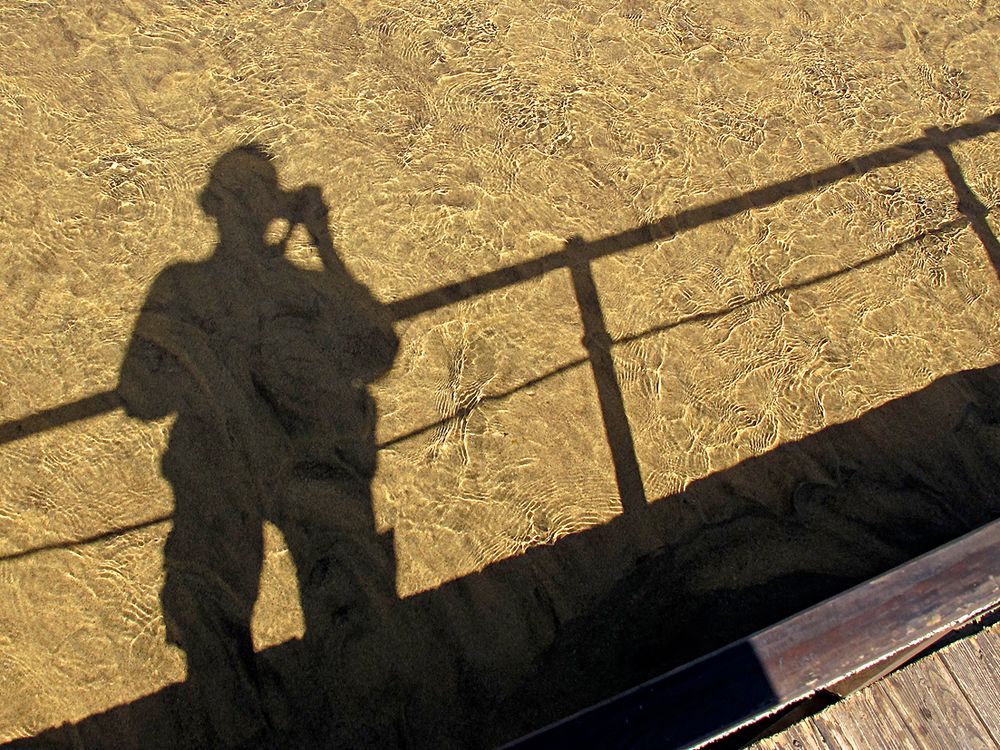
<point x="101" y="402"/>
<point x="577" y="255"/>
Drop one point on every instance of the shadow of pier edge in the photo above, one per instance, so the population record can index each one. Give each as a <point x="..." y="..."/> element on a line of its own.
<point x="527" y="640"/>
<point x="530" y="639"/>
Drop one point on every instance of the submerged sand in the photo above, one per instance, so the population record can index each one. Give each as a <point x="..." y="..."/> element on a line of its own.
<point x="791" y="373"/>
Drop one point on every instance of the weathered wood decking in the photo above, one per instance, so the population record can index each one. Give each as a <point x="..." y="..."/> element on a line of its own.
<point x="834" y="647"/>
<point x="950" y="699"/>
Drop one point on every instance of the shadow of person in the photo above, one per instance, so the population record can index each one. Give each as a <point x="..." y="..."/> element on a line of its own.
<point x="266" y="366"/>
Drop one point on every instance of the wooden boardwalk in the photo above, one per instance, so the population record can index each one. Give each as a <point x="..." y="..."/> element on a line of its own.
<point x="948" y="700"/>
<point x="833" y="648"/>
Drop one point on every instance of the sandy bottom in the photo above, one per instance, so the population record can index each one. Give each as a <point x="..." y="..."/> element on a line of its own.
<point x="344" y="438"/>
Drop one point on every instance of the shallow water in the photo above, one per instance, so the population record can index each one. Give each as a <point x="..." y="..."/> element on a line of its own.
<point x="452" y="139"/>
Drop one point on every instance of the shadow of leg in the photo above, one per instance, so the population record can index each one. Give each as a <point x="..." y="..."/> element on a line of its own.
<point x="212" y="561"/>
<point x="346" y="575"/>
<point x="221" y="699"/>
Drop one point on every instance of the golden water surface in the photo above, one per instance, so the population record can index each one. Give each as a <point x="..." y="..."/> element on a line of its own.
<point x="451" y="139"/>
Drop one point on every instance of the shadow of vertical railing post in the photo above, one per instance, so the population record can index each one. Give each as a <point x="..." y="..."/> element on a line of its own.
<point x="968" y="204"/>
<point x="597" y="341"/>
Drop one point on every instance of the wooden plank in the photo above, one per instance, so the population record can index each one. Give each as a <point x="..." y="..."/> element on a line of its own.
<point x="876" y="672"/>
<point x="935" y="708"/>
<point x="975" y="665"/>
<point x="755" y="677"/>
<point x="802" y="736"/>
<point x="867" y="721"/>
<point x="789" y="717"/>
<point x="870" y="623"/>
<point x="870" y="720"/>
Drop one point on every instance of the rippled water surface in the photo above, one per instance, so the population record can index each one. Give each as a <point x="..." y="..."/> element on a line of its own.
<point x="452" y="139"/>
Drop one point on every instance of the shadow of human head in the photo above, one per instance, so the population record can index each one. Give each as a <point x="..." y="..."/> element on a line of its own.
<point x="245" y="198"/>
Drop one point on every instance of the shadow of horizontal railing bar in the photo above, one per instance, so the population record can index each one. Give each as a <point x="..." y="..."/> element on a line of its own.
<point x="576" y="255"/>
<point x="664" y="228"/>
<point x="688" y="219"/>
